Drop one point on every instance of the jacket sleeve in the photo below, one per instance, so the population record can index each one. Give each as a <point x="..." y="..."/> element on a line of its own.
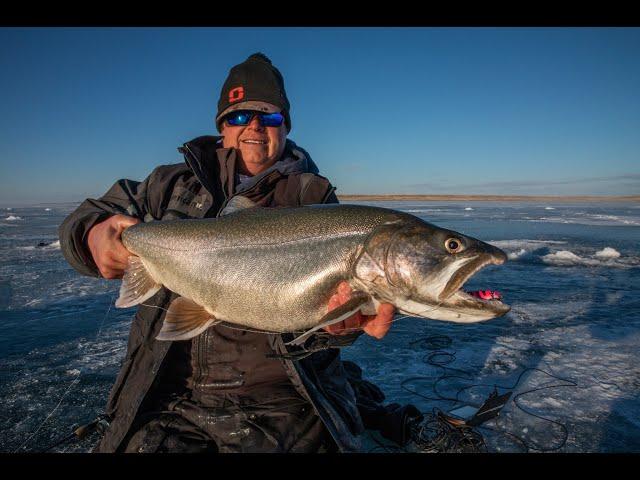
<point x="125" y="197"/>
<point x="315" y="189"/>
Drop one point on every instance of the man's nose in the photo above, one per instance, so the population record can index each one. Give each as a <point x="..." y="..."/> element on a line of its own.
<point x="255" y="123"/>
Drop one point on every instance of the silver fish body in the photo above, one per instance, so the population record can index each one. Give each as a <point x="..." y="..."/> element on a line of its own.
<point x="275" y="269"/>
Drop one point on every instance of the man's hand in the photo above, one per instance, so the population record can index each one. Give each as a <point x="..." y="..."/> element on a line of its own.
<point x="106" y="245"/>
<point x="374" y="325"/>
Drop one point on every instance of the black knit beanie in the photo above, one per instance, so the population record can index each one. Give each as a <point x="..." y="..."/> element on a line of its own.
<point x="254" y="84"/>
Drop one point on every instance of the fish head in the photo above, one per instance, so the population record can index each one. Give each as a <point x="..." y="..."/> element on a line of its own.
<point x="421" y="268"/>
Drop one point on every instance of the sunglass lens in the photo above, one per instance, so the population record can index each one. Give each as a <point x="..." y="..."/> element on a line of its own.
<point x="239" y="118"/>
<point x="272" y="119"/>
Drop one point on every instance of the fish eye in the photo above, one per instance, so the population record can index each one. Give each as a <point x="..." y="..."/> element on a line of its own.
<point x="453" y="245"/>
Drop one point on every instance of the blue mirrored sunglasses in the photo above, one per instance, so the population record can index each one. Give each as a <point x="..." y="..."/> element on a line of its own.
<point x="244" y="117"/>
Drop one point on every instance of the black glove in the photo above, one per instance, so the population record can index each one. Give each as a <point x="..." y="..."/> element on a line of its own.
<point x="394" y="424"/>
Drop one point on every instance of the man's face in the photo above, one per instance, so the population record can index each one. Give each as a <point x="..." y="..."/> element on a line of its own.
<point x="259" y="147"/>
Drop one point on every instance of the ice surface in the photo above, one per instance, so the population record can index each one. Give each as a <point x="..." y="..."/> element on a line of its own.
<point x="554" y="252"/>
<point x="575" y="315"/>
<point x="592" y="219"/>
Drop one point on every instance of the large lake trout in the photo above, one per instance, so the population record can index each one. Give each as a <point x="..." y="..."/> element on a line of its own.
<point x="274" y="269"/>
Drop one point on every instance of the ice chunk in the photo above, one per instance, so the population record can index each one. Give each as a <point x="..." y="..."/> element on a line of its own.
<point x="608" y="252"/>
<point x="563" y="257"/>
<point x="514" y="255"/>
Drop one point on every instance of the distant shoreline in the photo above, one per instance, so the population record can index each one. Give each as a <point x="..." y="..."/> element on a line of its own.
<point x="496" y="198"/>
<point x="432" y="198"/>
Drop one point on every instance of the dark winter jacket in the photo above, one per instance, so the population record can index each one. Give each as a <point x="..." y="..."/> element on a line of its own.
<point x="199" y="188"/>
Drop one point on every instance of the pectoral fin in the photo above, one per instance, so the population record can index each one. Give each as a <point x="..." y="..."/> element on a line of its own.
<point x="185" y="319"/>
<point x="137" y="284"/>
<point x="336" y="315"/>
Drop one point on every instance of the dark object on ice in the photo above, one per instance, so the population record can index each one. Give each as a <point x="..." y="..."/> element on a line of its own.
<point x="441" y="433"/>
<point x="489" y="409"/>
<point x="455" y="433"/>
<point x="99" y="425"/>
<point x="393" y="421"/>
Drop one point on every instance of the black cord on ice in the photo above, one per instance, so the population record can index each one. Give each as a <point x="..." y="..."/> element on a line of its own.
<point x="444" y="437"/>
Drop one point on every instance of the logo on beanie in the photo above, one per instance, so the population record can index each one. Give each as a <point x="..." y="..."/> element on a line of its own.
<point x="236" y="94"/>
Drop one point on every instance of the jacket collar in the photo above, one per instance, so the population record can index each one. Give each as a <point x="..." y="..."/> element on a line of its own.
<point x="200" y="156"/>
<point x="214" y="165"/>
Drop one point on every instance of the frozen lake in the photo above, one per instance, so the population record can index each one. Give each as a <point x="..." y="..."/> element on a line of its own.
<point x="573" y="334"/>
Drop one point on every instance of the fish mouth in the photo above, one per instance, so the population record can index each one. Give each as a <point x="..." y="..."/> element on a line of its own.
<point x="453" y="294"/>
<point x="481" y="300"/>
<point x="460" y="306"/>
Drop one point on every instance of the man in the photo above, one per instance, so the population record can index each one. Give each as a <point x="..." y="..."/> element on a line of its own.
<point x="227" y="390"/>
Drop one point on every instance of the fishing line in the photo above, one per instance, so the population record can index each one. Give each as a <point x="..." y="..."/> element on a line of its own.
<point x="75" y="381"/>
<point x="68" y="390"/>
<point x="441" y="359"/>
<point x="444" y="436"/>
<point x="225" y="324"/>
<point x="393" y="320"/>
<point x="569" y="383"/>
<point x="597" y="382"/>
<point x="154" y="306"/>
<point x="438" y="434"/>
<point x="348" y="329"/>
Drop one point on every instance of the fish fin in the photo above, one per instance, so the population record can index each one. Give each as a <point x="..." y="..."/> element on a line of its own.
<point x="185" y="319"/>
<point x="236" y="204"/>
<point x="137" y="284"/>
<point x="336" y="315"/>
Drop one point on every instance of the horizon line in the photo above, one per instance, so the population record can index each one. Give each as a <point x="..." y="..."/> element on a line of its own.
<point x="416" y="196"/>
<point x="487" y="197"/>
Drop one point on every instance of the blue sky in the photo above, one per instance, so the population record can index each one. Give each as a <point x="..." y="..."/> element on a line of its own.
<point x="381" y="110"/>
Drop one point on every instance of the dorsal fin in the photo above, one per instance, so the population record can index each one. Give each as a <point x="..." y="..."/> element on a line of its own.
<point x="236" y="204"/>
